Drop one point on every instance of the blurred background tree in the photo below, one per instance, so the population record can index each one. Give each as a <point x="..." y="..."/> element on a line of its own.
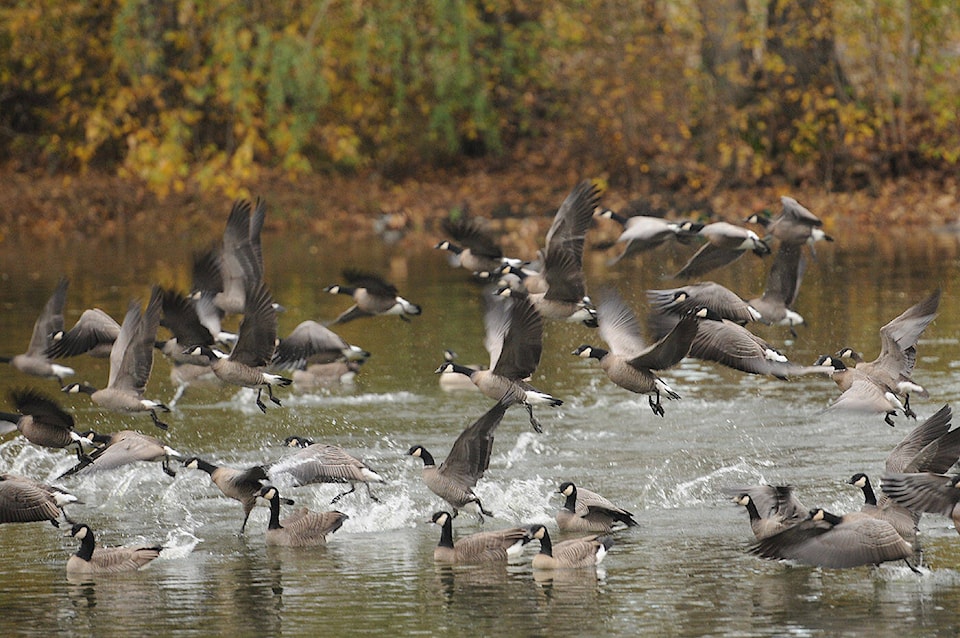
<point x="670" y="95"/>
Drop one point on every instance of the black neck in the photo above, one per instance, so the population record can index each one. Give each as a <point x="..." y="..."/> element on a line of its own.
<point x="462" y="369"/>
<point x="209" y="468"/>
<point x="571" y="502"/>
<point x="752" y="510"/>
<point x="275" y="513"/>
<point x="426" y="457"/>
<point x="87" y="545"/>
<point x="833" y="519"/>
<point x="869" y="497"/>
<point x="546" y="546"/>
<point x="446" y="533"/>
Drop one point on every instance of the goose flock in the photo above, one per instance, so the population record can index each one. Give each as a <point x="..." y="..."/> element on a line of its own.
<point x="700" y="319"/>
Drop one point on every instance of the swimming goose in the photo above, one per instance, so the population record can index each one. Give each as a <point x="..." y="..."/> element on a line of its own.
<point x="240" y="485"/>
<point x="238" y="268"/>
<point x="586" y="511"/>
<point x="705" y="294"/>
<point x="311" y="342"/>
<point x="860" y="392"/>
<point x="827" y="540"/>
<point x="482" y="547"/>
<point x="303" y="528"/>
<point x="468" y="459"/>
<point x="93" y="334"/>
<point x="372" y="296"/>
<point x="256" y="343"/>
<point x="322" y="463"/>
<point x="771" y="508"/>
<point x="570" y="554"/>
<point x="795" y="225"/>
<point x="893" y="367"/>
<point x="35" y="361"/>
<point x="91" y="559"/>
<point x="131" y="360"/>
<point x="42" y="422"/>
<point x="472" y="247"/>
<point x="725" y="243"/>
<point x="783" y="284"/>
<point x="643" y="232"/>
<point x="902" y="519"/>
<point x="451" y="380"/>
<point x="630" y="362"/>
<point x="326" y="375"/>
<point x="514" y="339"/>
<point x="23" y="500"/>
<point x="122" y="448"/>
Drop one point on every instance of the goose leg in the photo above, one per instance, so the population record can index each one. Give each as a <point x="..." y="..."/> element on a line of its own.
<point x="166" y="467"/>
<point x="907" y="411"/>
<point x="533" y="420"/>
<point x="336" y="498"/>
<point x="270" y="394"/>
<point x="260" y="404"/>
<point x="656" y="406"/>
<point x="157" y="422"/>
<point x="370" y="494"/>
<point x="888" y="418"/>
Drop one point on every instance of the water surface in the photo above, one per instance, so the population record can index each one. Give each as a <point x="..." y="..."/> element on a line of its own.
<point x="684" y="571"/>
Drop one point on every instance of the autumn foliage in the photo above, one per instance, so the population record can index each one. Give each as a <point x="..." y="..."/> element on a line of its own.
<point x="681" y="94"/>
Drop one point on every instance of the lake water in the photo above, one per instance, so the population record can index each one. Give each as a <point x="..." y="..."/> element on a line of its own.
<point x="683" y="572"/>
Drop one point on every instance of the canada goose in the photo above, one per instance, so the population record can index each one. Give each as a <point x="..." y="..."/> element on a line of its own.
<point x="731" y="345"/>
<point x="929" y="447"/>
<point x="42" y="422"/>
<point x="322" y="463"/>
<point x="828" y="540"/>
<point x="451" y="380"/>
<point x="302" y="528"/>
<point x="472" y="247"/>
<point x="630" y="362"/>
<point x="23" y="500"/>
<point x="372" y="296"/>
<point x="131" y="360"/>
<point x="705" y="294"/>
<point x="482" y="547"/>
<point x="35" y="361"/>
<point x="326" y="375"/>
<point x="586" y="511"/>
<point x="772" y="508"/>
<point x="514" y="339"/>
<point x="902" y="519"/>
<point x="783" y="284"/>
<point x="925" y="492"/>
<point x="122" y="448"/>
<point x="860" y="392"/>
<point x="91" y="559"/>
<point x="254" y="350"/>
<point x="179" y="315"/>
<point x="898" y="339"/>
<point x="578" y="552"/>
<point x="238" y="268"/>
<point x="565" y="296"/>
<point x="725" y="244"/>
<point x="468" y="459"/>
<point x="240" y="485"/>
<point x="795" y="225"/>
<point x="93" y="334"/>
<point x="311" y="342"/>
<point x="642" y="232"/>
